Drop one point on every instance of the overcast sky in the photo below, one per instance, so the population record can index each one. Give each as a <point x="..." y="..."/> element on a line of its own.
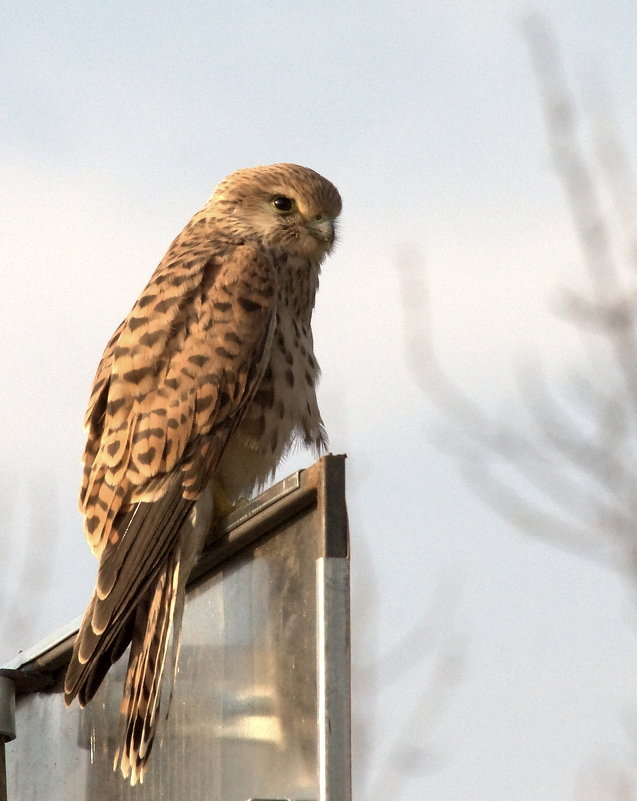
<point x="118" y="120"/>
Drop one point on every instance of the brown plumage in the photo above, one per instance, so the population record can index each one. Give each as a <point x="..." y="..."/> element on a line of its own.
<point x="199" y="394"/>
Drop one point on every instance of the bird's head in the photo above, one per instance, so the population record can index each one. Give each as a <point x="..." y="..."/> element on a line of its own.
<point x="283" y="206"/>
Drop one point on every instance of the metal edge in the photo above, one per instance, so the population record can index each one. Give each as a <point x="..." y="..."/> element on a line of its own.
<point x="7" y="708"/>
<point x="3" y="773"/>
<point x="332" y="507"/>
<point x="334" y="679"/>
<point x="45" y="650"/>
<point x="265" y="499"/>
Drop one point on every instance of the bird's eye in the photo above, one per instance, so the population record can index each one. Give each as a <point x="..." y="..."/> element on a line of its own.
<point x="282" y="204"/>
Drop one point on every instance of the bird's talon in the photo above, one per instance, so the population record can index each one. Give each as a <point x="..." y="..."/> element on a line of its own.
<point x="223" y="505"/>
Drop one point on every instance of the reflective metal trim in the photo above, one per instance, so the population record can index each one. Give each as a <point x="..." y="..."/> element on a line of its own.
<point x="334" y="711"/>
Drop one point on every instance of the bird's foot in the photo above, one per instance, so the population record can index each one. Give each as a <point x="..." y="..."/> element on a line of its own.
<point x="223" y="505"/>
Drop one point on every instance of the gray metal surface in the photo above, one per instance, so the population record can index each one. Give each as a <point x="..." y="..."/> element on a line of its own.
<point x="333" y="649"/>
<point x="252" y="715"/>
<point x="3" y="774"/>
<point x="7" y="708"/>
<point x="7" y="725"/>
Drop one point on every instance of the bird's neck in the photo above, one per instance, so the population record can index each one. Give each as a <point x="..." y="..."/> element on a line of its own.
<point x="298" y="283"/>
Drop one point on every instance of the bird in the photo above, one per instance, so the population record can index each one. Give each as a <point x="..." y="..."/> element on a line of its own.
<point x="200" y="393"/>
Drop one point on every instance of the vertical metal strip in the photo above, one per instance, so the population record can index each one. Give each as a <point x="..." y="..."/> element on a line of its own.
<point x="334" y="710"/>
<point x="7" y="725"/>
<point x="3" y="773"/>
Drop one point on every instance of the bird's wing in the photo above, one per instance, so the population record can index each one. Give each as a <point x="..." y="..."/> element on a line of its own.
<point x="181" y="367"/>
<point x="170" y="389"/>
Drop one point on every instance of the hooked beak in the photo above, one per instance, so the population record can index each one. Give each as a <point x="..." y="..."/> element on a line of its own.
<point x="322" y="228"/>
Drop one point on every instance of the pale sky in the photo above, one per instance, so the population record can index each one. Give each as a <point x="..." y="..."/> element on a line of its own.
<point x="117" y="121"/>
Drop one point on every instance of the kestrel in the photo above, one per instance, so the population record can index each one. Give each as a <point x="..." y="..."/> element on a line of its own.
<point x="200" y="393"/>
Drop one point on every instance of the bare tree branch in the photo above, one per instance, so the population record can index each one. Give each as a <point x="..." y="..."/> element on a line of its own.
<point x="567" y="470"/>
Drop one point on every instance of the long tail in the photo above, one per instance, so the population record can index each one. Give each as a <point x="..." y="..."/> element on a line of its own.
<point x="154" y="649"/>
<point x="139" y="715"/>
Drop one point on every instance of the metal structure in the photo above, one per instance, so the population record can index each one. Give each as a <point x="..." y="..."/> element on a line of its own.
<point x="261" y="703"/>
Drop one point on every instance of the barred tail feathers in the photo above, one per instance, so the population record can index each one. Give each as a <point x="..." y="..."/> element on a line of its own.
<point x="154" y="649"/>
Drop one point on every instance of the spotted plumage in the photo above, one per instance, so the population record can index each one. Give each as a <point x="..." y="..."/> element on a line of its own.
<point x="200" y="393"/>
